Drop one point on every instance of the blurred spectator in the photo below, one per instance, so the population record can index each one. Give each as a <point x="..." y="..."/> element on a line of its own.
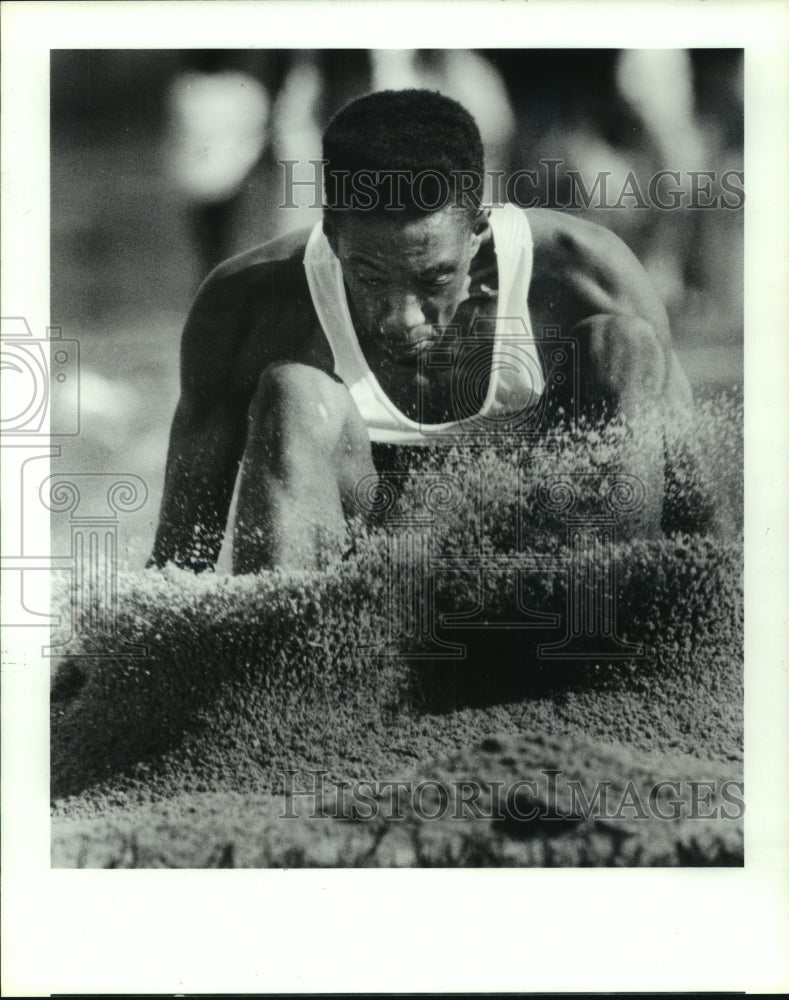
<point x="217" y="130"/>
<point x="615" y="111"/>
<point x="597" y="111"/>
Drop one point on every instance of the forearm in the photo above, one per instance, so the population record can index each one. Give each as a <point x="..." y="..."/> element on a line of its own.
<point x="202" y="465"/>
<point x="192" y="523"/>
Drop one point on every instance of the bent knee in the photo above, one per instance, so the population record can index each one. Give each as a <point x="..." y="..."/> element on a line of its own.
<point x="302" y="420"/>
<point x="623" y="360"/>
<point x="296" y="403"/>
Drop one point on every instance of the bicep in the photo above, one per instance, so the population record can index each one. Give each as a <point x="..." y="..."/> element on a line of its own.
<point x="622" y="358"/>
<point x="212" y="338"/>
<point x="641" y="300"/>
<point x="643" y="341"/>
<point x="210" y="418"/>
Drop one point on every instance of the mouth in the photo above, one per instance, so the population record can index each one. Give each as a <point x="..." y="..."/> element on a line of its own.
<point x="410" y="357"/>
<point x="411" y="354"/>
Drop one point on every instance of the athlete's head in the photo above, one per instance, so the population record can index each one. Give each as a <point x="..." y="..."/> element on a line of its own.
<point x="403" y="180"/>
<point x="412" y="151"/>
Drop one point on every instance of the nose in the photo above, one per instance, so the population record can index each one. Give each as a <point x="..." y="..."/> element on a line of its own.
<point x="404" y="313"/>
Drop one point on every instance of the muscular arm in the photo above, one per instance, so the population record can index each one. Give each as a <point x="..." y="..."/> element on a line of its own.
<point x="207" y="436"/>
<point x="588" y="282"/>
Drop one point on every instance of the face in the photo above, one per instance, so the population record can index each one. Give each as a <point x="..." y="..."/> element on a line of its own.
<point x="405" y="276"/>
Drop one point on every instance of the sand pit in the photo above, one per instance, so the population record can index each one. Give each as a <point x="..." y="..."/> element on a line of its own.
<point x="246" y="678"/>
<point x="533" y="809"/>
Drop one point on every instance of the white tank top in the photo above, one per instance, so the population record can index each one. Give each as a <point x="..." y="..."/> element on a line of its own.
<point x="516" y="378"/>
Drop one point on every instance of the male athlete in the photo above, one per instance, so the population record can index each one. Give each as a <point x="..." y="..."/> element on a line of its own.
<point x="301" y="357"/>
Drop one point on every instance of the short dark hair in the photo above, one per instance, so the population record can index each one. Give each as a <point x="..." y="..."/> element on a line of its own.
<point x="409" y="150"/>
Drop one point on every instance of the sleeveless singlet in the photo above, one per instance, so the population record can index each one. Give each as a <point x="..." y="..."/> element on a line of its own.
<point x="516" y="378"/>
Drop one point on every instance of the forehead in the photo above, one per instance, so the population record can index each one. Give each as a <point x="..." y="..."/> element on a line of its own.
<point x="395" y="236"/>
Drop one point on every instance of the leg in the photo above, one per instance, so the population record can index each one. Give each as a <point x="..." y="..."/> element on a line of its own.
<point x="307" y="448"/>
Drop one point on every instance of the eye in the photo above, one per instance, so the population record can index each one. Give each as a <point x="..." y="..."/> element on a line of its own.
<point x="437" y="282"/>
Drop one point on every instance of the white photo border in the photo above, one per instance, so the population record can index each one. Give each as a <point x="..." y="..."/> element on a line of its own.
<point x="503" y="930"/>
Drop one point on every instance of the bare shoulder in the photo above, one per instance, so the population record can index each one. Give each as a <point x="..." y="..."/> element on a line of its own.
<point x="237" y="321"/>
<point x="267" y="271"/>
<point x="287" y="249"/>
<point x="582" y="269"/>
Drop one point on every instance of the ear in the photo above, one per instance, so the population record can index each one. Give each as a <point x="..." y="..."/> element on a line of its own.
<point x="480" y="229"/>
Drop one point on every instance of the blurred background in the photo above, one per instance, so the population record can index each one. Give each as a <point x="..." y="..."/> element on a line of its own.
<point x="163" y="163"/>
